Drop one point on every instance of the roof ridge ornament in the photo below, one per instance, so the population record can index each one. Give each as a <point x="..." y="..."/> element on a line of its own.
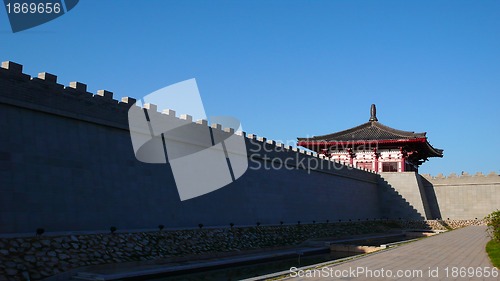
<point x="373" y="113"/>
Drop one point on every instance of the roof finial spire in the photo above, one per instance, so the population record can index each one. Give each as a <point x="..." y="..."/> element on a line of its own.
<point x="373" y="113"/>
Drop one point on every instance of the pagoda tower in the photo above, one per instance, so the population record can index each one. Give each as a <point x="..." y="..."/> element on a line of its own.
<point x="374" y="146"/>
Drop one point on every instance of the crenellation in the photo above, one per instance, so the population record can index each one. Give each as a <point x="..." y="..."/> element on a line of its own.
<point x="47" y="77"/>
<point x="463" y="178"/>
<point x="48" y="81"/>
<point x="241" y="133"/>
<point x="128" y="100"/>
<point x="203" y="122"/>
<point x="14" y="71"/>
<point x="125" y="103"/>
<point x="105" y="94"/>
<point x="13" y="67"/>
<point x="151" y="107"/>
<point x="252" y="136"/>
<point x="216" y="126"/>
<point x="186" y="117"/>
<point x="79" y="87"/>
<point x="170" y="112"/>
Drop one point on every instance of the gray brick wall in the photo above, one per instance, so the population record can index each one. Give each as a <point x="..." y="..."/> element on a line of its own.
<point x="67" y="164"/>
<point x="465" y="196"/>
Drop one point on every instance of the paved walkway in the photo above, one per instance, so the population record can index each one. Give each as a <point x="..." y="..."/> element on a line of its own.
<point x="440" y="257"/>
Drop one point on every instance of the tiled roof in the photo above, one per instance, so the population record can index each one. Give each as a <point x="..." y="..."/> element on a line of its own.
<point x="375" y="131"/>
<point x="372" y="130"/>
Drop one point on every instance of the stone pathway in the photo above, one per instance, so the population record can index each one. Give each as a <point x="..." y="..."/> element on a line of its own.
<point x="455" y="255"/>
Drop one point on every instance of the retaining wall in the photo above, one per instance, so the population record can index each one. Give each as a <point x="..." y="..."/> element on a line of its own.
<point x="43" y="256"/>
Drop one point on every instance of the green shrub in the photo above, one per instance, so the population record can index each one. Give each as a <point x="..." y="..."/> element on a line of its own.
<point x="493" y="222"/>
<point x="493" y="250"/>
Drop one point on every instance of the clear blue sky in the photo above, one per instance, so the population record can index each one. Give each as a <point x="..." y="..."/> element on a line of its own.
<point x="294" y="68"/>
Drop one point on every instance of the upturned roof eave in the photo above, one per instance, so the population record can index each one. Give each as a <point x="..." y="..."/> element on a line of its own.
<point x="398" y="134"/>
<point x="430" y="150"/>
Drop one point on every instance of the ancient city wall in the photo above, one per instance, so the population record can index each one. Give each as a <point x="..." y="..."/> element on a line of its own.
<point x="413" y="196"/>
<point x="401" y="196"/>
<point x="67" y="164"/>
<point x="463" y="197"/>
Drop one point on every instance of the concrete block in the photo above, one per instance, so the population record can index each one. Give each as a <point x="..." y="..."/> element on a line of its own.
<point x="105" y="94"/>
<point x="80" y="87"/>
<point x="186" y="117"/>
<point x="271" y="142"/>
<point x="252" y="136"/>
<point x="216" y="126"/>
<point x="151" y="107"/>
<point x="229" y="130"/>
<point x="12" y="67"/>
<point x="128" y="100"/>
<point x="201" y="121"/>
<point x="51" y="78"/>
<point x="169" y="112"/>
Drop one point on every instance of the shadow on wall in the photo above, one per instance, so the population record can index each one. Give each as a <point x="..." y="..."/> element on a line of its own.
<point x="433" y="205"/>
<point x="393" y="205"/>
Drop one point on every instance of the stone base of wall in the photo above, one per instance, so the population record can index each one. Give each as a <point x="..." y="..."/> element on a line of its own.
<point x="439" y="224"/>
<point x="44" y="256"/>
